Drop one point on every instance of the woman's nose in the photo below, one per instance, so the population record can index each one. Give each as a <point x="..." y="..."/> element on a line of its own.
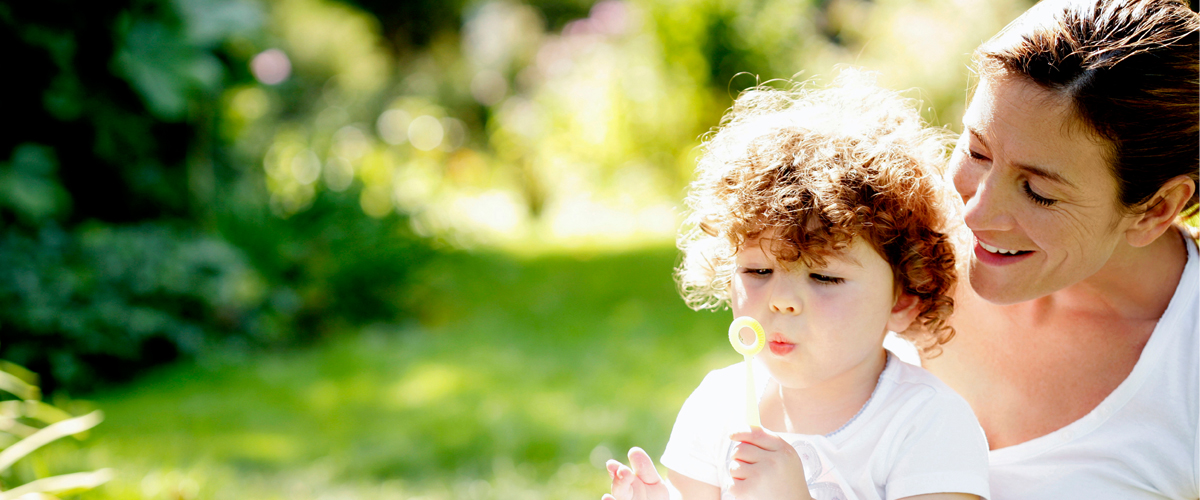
<point x="966" y="177"/>
<point x="986" y="209"/>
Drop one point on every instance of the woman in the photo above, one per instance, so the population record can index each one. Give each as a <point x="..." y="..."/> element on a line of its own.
<point x="1077" y="335"/>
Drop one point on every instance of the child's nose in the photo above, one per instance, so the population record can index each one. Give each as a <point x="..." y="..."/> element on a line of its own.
<point x="783" y="308"/>
<point x="784" y="300"/>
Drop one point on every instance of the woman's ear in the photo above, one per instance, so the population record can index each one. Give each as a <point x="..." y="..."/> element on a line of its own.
<point x="1160" y="211"/>
<point x="904" y="312"/>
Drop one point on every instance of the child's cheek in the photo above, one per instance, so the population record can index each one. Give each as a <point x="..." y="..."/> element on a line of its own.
<point x="738" y="294"/>
<point x="837" y="303"/>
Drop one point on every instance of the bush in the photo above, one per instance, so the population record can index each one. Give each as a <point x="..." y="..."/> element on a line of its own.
<point x="103" y="302"/>
<point x="132" y="231"/>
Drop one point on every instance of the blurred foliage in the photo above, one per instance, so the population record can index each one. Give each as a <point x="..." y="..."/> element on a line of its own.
<point x="132" y="232"/>
<point x="105" y="301"/>
<point x="568" y="123"/>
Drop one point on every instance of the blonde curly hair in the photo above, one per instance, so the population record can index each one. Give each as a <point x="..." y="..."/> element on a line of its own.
<point x="818" y="167"/>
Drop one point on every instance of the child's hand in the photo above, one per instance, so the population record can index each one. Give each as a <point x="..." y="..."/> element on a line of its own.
<point x="640" y="483"/>
<point x="766" y="467"/>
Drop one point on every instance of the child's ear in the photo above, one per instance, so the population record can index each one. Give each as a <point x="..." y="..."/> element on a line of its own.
<point x="904" y="312"/>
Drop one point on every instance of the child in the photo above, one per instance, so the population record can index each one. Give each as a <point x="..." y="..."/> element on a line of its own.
<point x="821" y="214"/>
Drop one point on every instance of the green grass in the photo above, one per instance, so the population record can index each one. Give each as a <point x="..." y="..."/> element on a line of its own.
<point x="519" y="378"/>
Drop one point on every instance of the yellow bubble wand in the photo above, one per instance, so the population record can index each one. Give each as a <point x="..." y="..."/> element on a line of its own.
<point x="747" y="351"/>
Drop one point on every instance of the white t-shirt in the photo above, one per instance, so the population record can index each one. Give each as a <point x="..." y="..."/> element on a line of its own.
<point x="1142" y="441"/>
<point x="914" y="436"/>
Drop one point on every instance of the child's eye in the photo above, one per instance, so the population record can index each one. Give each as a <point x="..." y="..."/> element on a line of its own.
<point x="756" y="271"/>
<point x="825" y="280"/>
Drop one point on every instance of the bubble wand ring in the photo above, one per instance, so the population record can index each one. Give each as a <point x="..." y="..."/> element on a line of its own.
<point x="747" y="351"/>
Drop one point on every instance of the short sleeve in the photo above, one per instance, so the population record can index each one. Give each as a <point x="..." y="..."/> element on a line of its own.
<point x="943" y="451"/>
<point x="694" y="448"/>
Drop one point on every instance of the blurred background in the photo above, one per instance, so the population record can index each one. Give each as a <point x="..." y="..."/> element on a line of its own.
<point x="319" y="249"/>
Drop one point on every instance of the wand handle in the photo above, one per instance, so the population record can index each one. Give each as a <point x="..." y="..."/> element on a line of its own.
<point x="751" y="397"/>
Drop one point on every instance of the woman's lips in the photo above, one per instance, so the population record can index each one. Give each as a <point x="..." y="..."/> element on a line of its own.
<point x="999" y="258"/>
<point x="779" y="348"/>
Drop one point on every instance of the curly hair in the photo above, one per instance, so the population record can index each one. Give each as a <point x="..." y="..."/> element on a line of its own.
<point x="817" y="168"/>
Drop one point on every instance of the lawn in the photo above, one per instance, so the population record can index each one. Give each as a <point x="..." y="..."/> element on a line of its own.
<point x="519" y="378"/>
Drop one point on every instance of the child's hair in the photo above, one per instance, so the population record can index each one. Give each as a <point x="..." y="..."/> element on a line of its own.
<point x="818" y="167"/>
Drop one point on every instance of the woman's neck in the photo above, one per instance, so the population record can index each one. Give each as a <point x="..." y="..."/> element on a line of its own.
<point x="1031" y="368"/>
<point x="822" y="408"/>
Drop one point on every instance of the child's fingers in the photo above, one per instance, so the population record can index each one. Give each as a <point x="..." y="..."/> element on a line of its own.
<point x="612" y="466"/>
<point x="624" y="473"/>
<point x="740" y="470"/>
<point x="643" y="466"/>
<point x="759" y="437"/>
<point x="622" y="485"/>
<point x="748" y="453"/>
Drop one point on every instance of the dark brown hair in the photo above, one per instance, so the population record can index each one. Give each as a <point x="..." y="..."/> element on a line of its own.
<point x="1129" y="68"/>
<point x="814" y="169"/>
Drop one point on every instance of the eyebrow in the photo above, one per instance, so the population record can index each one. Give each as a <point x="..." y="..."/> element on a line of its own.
<point x="1032" y="169"/>
<point x="841" y="255"/>
<point x="844" y="256"/>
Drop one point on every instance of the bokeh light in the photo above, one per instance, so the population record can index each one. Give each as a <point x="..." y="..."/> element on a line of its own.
<point x="393" y="126"/>
<point x="425" y="132"/>
<point x="271" y="66"/>
<point x="339" y="173"/>
<point x="306" y="167"/>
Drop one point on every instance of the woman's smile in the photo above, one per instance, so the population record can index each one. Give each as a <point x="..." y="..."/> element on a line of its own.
<point x="999" y="256"/>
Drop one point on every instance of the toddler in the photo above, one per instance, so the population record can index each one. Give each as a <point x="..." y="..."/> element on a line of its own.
<point x="820" y="213"/>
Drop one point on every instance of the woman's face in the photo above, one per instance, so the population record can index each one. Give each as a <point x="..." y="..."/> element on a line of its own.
<point x="1041" y="199"/>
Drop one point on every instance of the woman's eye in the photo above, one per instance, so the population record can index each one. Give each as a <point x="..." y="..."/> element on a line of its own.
<point x="825" y="280"/>
<point x="976" y="156"/>
<point x="1037" y="198"/>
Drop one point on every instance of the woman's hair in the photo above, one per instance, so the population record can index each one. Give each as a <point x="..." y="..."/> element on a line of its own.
<point x="816" y="168"/>
<point x="1129" y="68"/>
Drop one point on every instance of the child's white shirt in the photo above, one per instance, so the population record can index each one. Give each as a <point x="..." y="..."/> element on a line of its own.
<point x="914" y="436"/>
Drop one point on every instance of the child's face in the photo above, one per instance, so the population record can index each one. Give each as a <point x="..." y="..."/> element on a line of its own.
<point x="823" y="324"/>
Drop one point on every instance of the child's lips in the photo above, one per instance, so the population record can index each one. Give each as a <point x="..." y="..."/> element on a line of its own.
<point x="780" y="348"/>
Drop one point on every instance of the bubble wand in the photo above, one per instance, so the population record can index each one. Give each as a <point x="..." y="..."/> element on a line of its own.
<point x="747" y="351"/>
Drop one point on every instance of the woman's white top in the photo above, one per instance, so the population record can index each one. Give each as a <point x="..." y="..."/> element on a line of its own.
<point x="914" y="436"/>
<point x="1142" y="441"/>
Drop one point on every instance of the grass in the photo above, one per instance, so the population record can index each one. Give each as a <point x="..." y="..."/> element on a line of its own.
<point x="517" y="380"/>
